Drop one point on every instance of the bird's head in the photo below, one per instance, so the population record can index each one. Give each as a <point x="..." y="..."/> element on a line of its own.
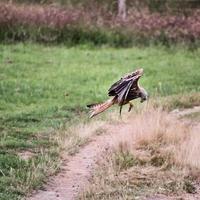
<point x="143" y="95"/>
<point x="138" y="71"/>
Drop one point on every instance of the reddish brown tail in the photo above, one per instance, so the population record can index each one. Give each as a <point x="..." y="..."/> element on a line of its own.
<point x="95" y="109"/>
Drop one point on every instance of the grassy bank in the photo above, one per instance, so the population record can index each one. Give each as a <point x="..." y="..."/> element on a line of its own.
<point x="44" y="88"/>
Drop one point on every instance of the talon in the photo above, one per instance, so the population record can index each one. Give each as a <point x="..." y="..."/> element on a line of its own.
<point x="120" y="111"/>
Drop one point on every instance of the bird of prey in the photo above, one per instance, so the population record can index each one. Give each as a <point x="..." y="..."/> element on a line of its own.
<point x="122" y="92"/>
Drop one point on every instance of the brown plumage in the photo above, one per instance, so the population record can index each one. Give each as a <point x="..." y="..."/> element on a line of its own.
<point x="122" y="92"/>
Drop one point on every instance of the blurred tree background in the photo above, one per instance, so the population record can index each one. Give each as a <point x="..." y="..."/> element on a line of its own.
<point x="153" y="5"/>
<point x="112" y="22"/>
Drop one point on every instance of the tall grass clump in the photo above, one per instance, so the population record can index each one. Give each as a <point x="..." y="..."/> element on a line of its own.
<point x="164" y="137"/>
<point x="158" y="156"/>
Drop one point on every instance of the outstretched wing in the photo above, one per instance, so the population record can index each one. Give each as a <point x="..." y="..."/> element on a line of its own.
<point x="122" y="87"/>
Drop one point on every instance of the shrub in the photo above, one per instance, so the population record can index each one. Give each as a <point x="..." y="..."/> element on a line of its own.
<point x="75" y="25"/>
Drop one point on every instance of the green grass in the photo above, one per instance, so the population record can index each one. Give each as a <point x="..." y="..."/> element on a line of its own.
<point x="35" y="79"/>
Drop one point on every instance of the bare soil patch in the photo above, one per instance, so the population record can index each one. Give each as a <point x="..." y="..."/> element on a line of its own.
<point x="76" y="170"/>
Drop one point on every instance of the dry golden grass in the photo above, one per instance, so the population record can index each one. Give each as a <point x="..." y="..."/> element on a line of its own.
<point x="72" y="138"/>
<point x="157" y="155"/>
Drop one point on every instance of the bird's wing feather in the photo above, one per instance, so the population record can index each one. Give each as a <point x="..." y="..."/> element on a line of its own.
<point x="122" y="87"/>
<point x="111" y="91"/>
<point x="128" y="88"/>
<point x="117" y="87"/>
<point x="123" y="94"/>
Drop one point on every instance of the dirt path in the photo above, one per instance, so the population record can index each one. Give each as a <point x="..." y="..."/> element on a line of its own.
<point x="76" y="170"/>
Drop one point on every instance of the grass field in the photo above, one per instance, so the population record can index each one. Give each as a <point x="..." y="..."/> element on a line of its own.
<point x="45" y="88"/>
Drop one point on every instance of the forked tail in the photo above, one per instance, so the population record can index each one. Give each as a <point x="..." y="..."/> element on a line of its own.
<point x="95" y="109"/>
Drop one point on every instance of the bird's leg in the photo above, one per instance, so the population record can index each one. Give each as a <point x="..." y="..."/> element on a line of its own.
<point x="120" y="111"/>
<point x="130" y="106"/>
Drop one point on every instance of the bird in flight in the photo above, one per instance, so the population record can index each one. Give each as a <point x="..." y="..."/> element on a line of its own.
<point x="122" y="92"/>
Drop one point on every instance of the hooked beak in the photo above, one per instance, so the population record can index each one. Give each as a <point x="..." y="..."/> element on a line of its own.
<point x="144" y="98"/>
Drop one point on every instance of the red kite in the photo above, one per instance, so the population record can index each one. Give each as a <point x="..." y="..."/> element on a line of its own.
<point x="123" y="91"/>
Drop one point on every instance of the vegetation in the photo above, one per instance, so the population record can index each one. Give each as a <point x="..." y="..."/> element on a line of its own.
<point x="154" y="5"/>
<point x="45" y="88"/>
<point x="194" y="116"/>
<point x="97" y="25"/>
<point x="157" y="158"/>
